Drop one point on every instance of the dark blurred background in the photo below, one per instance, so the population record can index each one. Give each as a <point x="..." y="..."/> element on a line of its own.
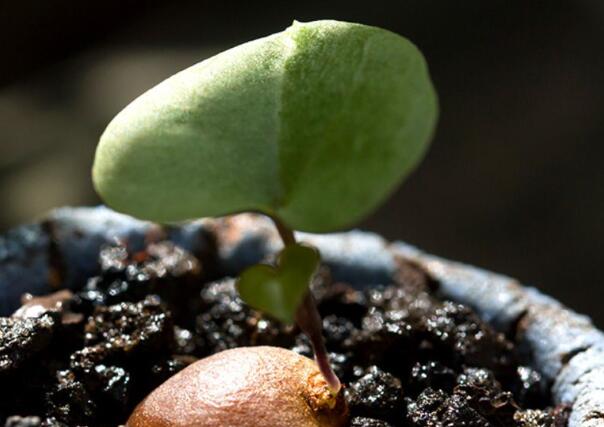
<point x="514" y="180"/>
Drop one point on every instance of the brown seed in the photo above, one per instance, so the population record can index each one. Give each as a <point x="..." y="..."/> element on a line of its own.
<point x="244" y="387"/>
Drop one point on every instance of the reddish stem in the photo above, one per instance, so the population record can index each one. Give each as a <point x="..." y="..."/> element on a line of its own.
<point x="287" y="235"/>
<point x="309" y="321"/>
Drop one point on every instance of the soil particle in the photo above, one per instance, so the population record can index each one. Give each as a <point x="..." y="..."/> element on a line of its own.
<point x="36" y="306"/>
<point x="368" y="422"/>
<point x="226" y="322"/>
<point x="163" y="269"/>
<point x="69" y="400"/>
<point x="555" y="417"/>
<point x="529" y="387"/>
<point x="431" y="374"/>
<point x="434" y="408"/>
<point x="21" y="339"/>
<point x="461" y="335"/>
<point x="131" y="328"/>
<point x="479" y="388"/>
<point x="18" y="421"/>
<point x="376" y="394"/>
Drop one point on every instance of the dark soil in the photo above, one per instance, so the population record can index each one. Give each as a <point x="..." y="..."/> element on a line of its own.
<point x="406" y="357"/>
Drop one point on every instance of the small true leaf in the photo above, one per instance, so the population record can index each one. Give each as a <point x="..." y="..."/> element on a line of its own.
<point x="279" y="290"/>
<point x="315" y="125"/>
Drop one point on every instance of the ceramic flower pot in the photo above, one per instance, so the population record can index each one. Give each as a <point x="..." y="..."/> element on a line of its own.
<point x="564" y="346"/>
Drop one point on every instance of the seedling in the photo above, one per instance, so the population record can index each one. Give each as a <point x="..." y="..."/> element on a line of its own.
<point x="314" y="126"/>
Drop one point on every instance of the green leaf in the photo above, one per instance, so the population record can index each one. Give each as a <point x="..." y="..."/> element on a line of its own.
<point x="315" y="125"/>
<point x="278" y="291"/>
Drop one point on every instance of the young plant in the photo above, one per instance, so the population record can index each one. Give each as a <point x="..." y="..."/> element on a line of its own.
<point x="314" y="126"/>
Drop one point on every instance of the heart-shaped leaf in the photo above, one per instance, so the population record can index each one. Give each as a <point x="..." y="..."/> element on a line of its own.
<point x="278" y="291"/>
<point x="315" y="125"/>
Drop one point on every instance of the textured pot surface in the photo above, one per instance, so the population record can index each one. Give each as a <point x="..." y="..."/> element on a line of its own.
<point x="565" y="346"/>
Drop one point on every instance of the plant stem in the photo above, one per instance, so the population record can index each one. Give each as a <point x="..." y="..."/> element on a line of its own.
<point x="309" y="321"/>
<point x="287" y="235"/>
